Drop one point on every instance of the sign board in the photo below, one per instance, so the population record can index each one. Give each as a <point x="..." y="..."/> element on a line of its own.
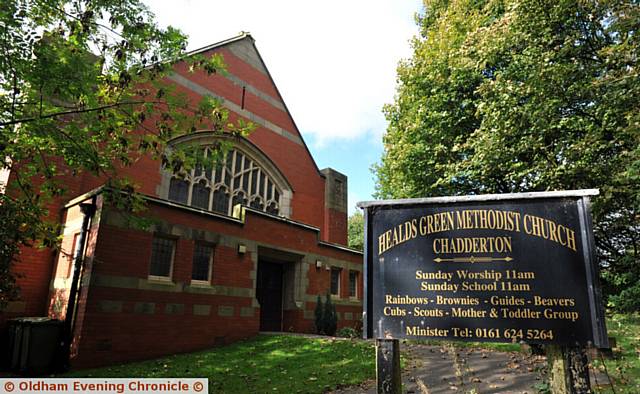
<point x="495" y="268"/>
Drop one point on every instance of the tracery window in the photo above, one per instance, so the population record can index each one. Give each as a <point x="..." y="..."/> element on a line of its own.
<point x="237" y="180"/>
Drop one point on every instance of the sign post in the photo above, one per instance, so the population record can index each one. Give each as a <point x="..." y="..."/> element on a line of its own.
<point x="388" y="374"/>
<point x="488" y="268"/>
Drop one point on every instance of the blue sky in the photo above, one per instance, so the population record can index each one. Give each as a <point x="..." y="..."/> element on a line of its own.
<point x="334" y="62"/>
<point x="354" y="158"/>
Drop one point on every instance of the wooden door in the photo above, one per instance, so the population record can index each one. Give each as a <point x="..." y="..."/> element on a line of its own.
<point x="269" y="295"/>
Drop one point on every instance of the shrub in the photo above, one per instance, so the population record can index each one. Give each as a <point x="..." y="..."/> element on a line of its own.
<point x="330" y="317"/>
<point x="319" y="314"/>
<point x="348" y="332"/>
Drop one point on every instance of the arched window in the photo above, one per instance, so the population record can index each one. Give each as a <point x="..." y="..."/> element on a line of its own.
<point x="237" y="179"/>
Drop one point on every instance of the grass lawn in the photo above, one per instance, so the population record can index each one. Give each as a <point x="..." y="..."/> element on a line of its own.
<point x="624" y="369"/>
<point x="266" y="363"/>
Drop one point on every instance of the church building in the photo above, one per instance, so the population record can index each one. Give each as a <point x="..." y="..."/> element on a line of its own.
<point x="245" y="247"/>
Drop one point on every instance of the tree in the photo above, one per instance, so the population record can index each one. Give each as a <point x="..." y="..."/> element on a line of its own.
<point x="523" y="95"/>
<point x="355" y="230"/>
<point x="81" y="91"/>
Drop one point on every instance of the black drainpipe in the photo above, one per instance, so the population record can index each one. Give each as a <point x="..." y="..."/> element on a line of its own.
<point x="87" y="209"/>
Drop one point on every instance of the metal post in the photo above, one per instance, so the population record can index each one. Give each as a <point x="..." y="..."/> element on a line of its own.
<point x="388" y="374"/>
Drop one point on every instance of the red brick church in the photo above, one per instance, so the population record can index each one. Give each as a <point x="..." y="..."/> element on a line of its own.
<point x="205" y="273"/>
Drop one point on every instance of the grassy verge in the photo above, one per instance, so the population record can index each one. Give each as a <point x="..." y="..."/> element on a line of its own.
<point x="624" y="368"/>
<point x="262" y="364"/>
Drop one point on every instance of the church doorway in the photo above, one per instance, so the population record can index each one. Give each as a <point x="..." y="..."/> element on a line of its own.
<point x="269" y="292"/>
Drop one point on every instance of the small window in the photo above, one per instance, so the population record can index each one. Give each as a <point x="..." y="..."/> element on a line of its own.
<point x="335" y="280"/>
<point x="162" y="253"/>
<point x="202" y="262"/>
<point x="353" y="283"/>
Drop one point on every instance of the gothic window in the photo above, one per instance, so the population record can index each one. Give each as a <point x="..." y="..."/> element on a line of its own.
<point x="239" y="198"/>
<point x="272" y="208"/>
<point x="220" y="200"/>
<point x="179" y="190"/>
<point x="256" y="203"/>
<point x="237" y="179"/>
<point x="200" y="195"/>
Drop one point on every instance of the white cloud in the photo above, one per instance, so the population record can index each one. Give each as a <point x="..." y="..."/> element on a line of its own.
<point x="334" y="62"/>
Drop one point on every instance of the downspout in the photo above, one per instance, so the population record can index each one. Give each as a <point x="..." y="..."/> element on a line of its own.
<point x="87" y="209"/>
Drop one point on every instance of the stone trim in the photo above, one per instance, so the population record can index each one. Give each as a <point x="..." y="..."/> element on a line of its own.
<point x="335" y="190"/>
<point x="341" y="247"/>
<point x="250" y="88"/>
<point x="338" y="301"/>
<point x="174" y="309"/>
<point x="245" y="51"/>
<point x="109" y="306"/>
<point x="146" y="308"/>
<point x="201" y="310"/>
<point x="226" y="311"/>
<point x="331" y="262"/>
<point x="127" y="282"/>
<point x="221" y="290"/>
<point x="201" y="90"/>
<point x="247" y="311"/>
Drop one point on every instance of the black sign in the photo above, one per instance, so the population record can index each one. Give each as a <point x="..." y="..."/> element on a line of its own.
<point x="501" y="268"/>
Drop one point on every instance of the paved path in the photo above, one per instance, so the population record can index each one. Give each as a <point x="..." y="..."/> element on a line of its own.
<point x="445" y="369"/>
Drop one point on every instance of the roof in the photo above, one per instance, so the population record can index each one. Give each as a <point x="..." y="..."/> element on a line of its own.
<point x="219" y="44"/>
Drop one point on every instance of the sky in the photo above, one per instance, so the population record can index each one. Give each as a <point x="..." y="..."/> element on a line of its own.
<point x="334" y="63"/>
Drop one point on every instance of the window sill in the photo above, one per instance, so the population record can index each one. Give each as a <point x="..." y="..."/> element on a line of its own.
<point x="201" y="283"/>
<point x="335" y="297"/>
<point x="354" y="299"/>
<point x="161" y="280"/>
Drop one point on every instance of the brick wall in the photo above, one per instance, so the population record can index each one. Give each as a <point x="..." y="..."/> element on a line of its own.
<point x="128" y="316"/>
